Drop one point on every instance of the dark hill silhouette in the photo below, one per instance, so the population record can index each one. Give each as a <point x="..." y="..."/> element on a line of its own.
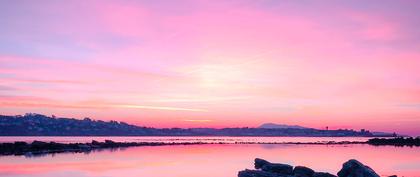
<point x="32" y="124"/>
<point x="273" y="125"/>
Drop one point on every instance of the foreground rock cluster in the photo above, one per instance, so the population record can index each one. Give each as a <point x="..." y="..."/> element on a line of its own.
<point x="263" y="168"/>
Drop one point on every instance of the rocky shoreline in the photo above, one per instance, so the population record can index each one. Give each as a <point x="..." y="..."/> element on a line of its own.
<point x="400" y="141"/>
<point x="40" y="147"/>
<point x="263" y="168"/>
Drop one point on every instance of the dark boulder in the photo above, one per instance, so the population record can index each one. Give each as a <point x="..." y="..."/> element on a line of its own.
<point x="273" y="167"/>
<point x="109" y="142"/>
<point x="301" y="171"/>
<point x="351" y="168"/>
<point x="38" y="143"/>
<point x="354" y="168"/>
<point x="259" y="163"/>
<point x="96" y="143"/>
<point x="20" y="143"/>
<point x="258" y="173"/>
<point x="323" y="174"/>
<point x="84" y="146"/>
<point x="278" y="168"/>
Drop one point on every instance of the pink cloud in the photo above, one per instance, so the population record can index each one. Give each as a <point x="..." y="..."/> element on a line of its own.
<point x="374" y="27"/>
<point x="235" y="63"/>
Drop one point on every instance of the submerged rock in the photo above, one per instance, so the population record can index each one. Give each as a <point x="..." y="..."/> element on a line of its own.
<point x="354" y="168"/>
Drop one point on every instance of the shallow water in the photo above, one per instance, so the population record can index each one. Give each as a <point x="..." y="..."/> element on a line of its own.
<point x="210" y="160"/>
<point x="179" y="139"/>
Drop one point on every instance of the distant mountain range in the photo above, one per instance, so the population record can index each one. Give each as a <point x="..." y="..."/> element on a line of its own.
<point x="32" y="124"/>
<point x="273" y="125"/>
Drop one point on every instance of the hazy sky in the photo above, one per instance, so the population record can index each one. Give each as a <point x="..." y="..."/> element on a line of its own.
<point x="214" y="63"/>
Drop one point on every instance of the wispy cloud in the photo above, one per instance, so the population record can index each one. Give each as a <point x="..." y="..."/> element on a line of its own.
<point x="260" y="61"/>
<point x="206" y="99"/>
<point x="6" y="88"/>
<point x="160" y="108"/>
<point x="410" y="105"/>
<point x="24" y="101"/>
<point x="52" y="81"/>
<point x="197" y="120"/>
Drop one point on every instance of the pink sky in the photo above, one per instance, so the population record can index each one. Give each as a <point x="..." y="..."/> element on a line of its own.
<point x="215" y="63"/>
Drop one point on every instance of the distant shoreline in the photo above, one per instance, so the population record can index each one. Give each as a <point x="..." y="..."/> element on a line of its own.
<point x="32" y="124"/>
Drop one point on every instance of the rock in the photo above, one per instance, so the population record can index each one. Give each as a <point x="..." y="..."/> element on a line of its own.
<point x="393" y="176"/>
<point x="278" y="168"/>
<point x="257" y="173"/>
<point x="354" y="168"/>
<point x="301" y="171"/>
<point x="273" y="167"/>
<point x="109" y="142"/>
<point x="323" y="174"/>
<point x="351" y="168"/>
<point x="84" y="146"/>
<point x="38" y="143"/>
<point x="20" y="143"/>
<point x="94" y="142"/>
<point x="259" y="163"/>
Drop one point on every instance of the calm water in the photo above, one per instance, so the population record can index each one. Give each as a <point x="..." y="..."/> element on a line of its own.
<point x="183" y="139"/>
<point x="211" y="160"/>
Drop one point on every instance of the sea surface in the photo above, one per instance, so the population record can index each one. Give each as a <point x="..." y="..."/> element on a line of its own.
<point x="206" y="160"/>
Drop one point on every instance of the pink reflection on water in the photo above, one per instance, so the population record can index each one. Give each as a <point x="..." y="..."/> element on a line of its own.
<point x="210" y="160"/>
<point x="169" y="139"/>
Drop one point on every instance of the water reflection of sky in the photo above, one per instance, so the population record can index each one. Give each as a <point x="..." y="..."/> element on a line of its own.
<point x="178" y="139"/>
<point x="211" y="160"/>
